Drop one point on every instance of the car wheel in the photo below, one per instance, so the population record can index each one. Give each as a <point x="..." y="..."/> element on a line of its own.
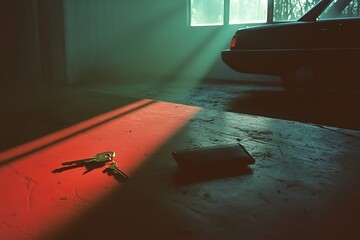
<point x="301" y="80"/>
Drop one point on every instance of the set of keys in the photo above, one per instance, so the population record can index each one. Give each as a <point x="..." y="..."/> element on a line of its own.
<point x="100" y="158"/>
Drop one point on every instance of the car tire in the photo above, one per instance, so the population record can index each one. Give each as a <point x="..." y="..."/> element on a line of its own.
<point x="301" y="80"/>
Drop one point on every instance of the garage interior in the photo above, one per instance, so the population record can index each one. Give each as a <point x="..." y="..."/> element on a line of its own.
<point x="80" y="77"/>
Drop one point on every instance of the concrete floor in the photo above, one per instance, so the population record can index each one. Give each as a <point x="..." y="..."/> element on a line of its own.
<point x="260" y="96"/>
<point x="304" y="184"/>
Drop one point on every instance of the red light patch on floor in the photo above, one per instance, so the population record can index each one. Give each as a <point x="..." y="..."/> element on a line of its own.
<point x="34" y="200"/>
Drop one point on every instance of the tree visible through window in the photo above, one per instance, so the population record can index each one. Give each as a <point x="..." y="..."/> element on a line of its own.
<point x="207" y="12"/>
<point x="347" y="9"/>
<point x="352" y="10"/>
<point x="220" y="12"/>
<point x="291" y="10"/>
<point x="248" y="11"/>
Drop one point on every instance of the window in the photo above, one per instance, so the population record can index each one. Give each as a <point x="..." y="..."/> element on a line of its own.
<point x="248" y="11"/>
<point x="291" y="10"/>
<point x="207" y="12"/>
<point x="352" y="10"/>
<point x="220" y="12"/>
<point x="342" y="9"/>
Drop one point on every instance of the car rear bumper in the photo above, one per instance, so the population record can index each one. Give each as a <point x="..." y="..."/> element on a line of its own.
<point x="251" y="61"/>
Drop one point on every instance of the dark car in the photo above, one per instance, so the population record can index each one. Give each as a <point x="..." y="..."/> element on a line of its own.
<point x="320" y="50"/>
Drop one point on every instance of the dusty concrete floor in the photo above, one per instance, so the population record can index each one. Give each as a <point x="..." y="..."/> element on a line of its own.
<point x="261" y="96"/>
<point x="304" y="184"/>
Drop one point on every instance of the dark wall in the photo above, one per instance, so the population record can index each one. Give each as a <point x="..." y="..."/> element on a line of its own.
<point x="69" y="41"/>
<point x="52" y="40"/>
<point x="12" y="29"/>
<point x="140" y="40"/>
<point x="19" y="58"/>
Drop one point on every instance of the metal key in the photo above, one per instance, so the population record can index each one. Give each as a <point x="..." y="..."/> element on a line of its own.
<point x="100" y="157"/>
<point x="115" y="168"/>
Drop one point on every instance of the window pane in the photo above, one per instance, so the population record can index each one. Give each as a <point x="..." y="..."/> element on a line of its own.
<point x="207" y="12"/>
<point x="248" y="11"/>
<point x="338" y="9"/>
<point x="291" y="10"/>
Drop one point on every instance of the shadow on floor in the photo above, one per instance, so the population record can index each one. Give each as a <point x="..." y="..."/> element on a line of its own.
<point x="181" y="178"/>
<point x="32" y="112"/>
<point x="337" y="109"/>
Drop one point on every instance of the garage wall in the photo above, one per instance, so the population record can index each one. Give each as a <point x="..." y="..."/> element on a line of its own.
<point x="19" y="44"/>
<point x="69" y="41"/>
<point x="128" y="40"/>
<point x="52" y="40"/>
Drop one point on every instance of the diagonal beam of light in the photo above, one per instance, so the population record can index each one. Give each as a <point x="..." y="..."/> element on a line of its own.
<point x="31" y="147"/>
<point x="36" y="201"/>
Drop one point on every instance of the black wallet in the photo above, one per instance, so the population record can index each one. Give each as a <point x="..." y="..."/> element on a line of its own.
<point x="213" y="158"/>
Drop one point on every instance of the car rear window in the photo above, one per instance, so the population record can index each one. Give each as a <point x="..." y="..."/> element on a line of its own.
<point x="341" y="9"/>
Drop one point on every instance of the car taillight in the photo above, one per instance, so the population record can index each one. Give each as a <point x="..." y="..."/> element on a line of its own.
<point x="233" y="42"/>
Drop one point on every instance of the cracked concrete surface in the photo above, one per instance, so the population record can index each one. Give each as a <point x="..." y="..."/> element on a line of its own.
<point x="304" y="184"/>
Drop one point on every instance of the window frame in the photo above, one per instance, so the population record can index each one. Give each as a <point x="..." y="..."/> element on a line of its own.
<point x="269" y="19"/>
